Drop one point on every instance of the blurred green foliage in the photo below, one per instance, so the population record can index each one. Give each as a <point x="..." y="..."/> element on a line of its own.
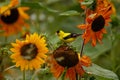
<point x="48" y="16"/>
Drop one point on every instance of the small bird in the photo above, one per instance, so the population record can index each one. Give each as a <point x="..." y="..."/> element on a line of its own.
<point x="67" y="37"/>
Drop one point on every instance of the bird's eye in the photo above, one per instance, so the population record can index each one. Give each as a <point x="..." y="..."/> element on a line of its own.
<point x="58" y="31"/>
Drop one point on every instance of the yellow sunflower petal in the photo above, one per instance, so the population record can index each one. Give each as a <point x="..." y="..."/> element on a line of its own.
<point x="42" y="55"/>
<point x="30" y="66"/>
<point x="40" y="60"/>
<point x="35" y="64"/>
<point x="5" y="10"/>
<point x="22" y="13"/>
<point x="34" y="61"/>
<point x="13" y="3"/>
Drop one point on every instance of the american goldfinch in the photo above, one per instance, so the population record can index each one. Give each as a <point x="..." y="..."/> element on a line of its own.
<point x="67" y="37"/>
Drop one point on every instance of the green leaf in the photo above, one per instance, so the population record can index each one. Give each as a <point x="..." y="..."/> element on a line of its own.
<point x="99" y="71"/>
<point x="70" y="13"/>
<point x="3" y="3"/>
<point x="99" y="49"/>
<point x="47" y="8"/>
<point x="45" y="74"/>
<point x="91" y="51"/>
<point x="31" y="5"/>
<point x="89" y="2"/>
<point x="38" y="5"/>
<point x="1" y="31"/>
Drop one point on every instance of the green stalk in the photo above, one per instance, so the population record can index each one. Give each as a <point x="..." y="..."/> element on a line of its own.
<point x="81" y="51"/>
<point x="24" y="75"/>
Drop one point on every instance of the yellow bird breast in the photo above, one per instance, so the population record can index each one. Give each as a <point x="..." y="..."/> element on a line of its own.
<point x="69" y="40"/>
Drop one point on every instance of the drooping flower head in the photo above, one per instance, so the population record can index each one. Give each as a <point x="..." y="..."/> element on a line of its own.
<point x="93" y="4"/>
<point x="64" y="57"/>
<point x="12" y="18"/>
<point x="29" y="53"/>
<point x="95" y="23"/>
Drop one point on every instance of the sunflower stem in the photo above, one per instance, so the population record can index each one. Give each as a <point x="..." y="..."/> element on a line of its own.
<point x="81" y="52"/>
<point x="24" y="75"/>
<point x="9" y="68"/>
<point x="77" y="77"/>
<point x="6" y="39"/>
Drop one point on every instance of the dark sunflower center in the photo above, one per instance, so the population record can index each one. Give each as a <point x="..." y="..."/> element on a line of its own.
<point x="65" y="56"/>
<point x="13" y="17"/>
<point x="98" y="23"/>
<point x="29" y="51"/>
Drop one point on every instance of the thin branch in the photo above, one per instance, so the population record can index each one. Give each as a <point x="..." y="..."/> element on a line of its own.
<point x="24" y="75"/>
<point x="81" y="52"/>
<point x="9" y="68"/>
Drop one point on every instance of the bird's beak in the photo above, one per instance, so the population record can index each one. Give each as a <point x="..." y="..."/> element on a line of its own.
<point x="57" y="32"/>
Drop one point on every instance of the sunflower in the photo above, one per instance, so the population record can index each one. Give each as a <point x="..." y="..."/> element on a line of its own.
<point x="29" y="53"/>
<point x="12" y="18"/>
<point x="95" y="6"/>
<point x="95" y="22"/>
<point x="64" y="57"/>
<point x="86" y="4"/>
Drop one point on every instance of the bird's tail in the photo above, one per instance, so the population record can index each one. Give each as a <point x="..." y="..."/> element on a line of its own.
<point x="75" y="35"/>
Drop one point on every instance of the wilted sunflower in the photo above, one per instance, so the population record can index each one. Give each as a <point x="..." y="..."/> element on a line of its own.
<point x="29" y="53"/>
<point x="12" y="18"/>
<point x="94" y="27"/>
<point x="95" y="6"/>
<point x="64" y="57"/>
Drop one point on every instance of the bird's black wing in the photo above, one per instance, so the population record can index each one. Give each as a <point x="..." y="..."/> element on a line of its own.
<point x="72" y="35"/>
